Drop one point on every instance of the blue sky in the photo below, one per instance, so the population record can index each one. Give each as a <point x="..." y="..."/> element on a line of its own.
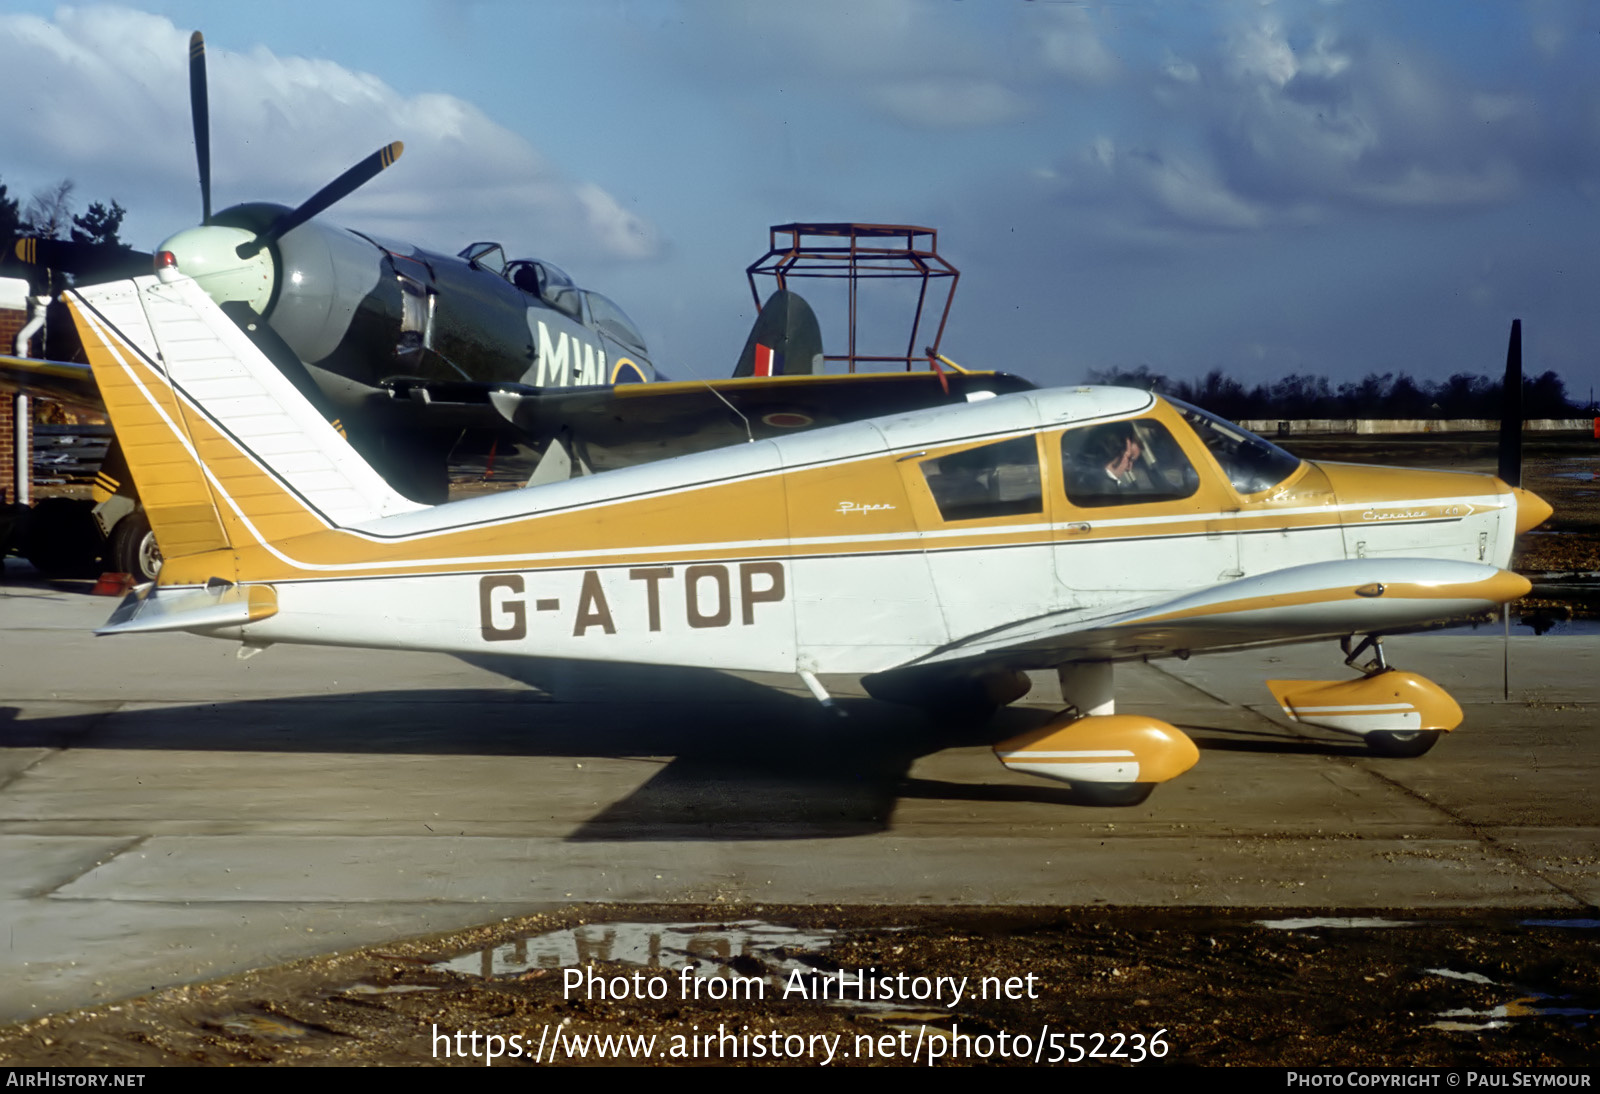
<point x="1266" y="188"/>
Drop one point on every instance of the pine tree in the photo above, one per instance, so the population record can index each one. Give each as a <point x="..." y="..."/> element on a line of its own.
<point x="99" y="226"/>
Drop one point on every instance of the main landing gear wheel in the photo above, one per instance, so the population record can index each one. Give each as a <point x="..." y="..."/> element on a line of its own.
<point x="1111" y="794"/>
<point x="1414" y="743"/>
<point x="134" y="549"/>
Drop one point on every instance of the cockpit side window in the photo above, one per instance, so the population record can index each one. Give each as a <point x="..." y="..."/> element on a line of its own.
<point x="609" y="320"/>
<point x="1251" y="463"/>
<point x="1125" y="463"/>
<point x="564" y="298"/>
<point x="549" y="283"/>
<point x="995" y="480"/>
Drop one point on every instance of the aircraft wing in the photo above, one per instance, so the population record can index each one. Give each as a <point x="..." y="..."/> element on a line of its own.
<point x="631" y="423"/>
<point x="1300" y="603"/>
<point x="638" y="423"/>
<point x="63" y="381"/>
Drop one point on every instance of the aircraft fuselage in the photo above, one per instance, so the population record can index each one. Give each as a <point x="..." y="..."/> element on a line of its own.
<point x="369" y="310"/>
<point x="370" y="320"/>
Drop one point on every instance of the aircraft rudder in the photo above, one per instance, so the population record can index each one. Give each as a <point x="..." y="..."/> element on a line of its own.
<point x="785" y="339"/>
<point x="224" y="449"/>
<point x="145" y="414"/>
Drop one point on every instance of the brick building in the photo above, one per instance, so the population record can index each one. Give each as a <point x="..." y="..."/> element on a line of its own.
<point x="13" y="315"/>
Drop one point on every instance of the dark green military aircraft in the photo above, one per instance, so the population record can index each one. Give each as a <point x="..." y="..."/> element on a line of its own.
<point x="428" y="360"/>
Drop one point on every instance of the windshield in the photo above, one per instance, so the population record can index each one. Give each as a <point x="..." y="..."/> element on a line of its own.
<point x="1251" y="463"/>
<point x="490" y="256"/>
<point x="610" y="320"/>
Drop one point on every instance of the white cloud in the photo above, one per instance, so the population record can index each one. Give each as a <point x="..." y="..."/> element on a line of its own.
<point x="949" y="102"/>
<point x="1072" y="48"/>
<point x="1176" y="68"/>
<point x="1421" y="186"/>
<point x="1323" y="59"/>
<point x="1172" y="190"/>
<point x="920" y="64"/>
<point x="1260" y="51"/>
<point x="1189" y="192"/>
<point x="101" y="95"/>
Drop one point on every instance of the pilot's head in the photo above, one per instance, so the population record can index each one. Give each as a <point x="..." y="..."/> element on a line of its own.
<point x="526" y="278"/>
<point x="1113" y="445"/>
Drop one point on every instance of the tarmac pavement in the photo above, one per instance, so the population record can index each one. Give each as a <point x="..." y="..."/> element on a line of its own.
<point x="170" y="813"/>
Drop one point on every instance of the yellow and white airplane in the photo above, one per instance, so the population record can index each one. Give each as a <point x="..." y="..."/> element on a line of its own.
<point x="938" y="553"/>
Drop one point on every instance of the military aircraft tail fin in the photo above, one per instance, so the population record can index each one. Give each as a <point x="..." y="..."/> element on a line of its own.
<point x="225" y="452"/>
<point x="785" y="341"/>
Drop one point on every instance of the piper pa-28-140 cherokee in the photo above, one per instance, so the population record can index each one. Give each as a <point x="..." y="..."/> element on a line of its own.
<point x="940" y="553"/>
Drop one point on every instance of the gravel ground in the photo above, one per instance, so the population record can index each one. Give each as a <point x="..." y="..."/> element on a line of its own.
<point x="1111" y="986"/>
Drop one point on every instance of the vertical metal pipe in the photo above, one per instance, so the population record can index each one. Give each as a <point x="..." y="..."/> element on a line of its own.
<point x="23" y="463"/>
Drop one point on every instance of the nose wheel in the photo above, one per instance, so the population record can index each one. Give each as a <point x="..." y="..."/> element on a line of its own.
<point x="1402" y="744"/>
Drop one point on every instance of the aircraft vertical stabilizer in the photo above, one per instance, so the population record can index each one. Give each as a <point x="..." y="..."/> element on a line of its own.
<point x="224" y="449"/>
<point x="785" y="340"/>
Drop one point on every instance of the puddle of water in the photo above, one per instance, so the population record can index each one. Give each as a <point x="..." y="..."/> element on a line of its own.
<point x="392" y="989"/>
<point x="1531" y="1005"/>
<point x="718" y="951"/>
<point x="1336" y="922"/>
<point x="711" y="947"/>
<point x="269" y="1026"/>
<point x="1574" y="924"/>
<point x="1469" y="977"/>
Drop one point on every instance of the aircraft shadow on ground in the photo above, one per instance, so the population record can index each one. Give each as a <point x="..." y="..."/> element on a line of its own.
<point x="744" y="761"/>
<point x="1277" y="741"/>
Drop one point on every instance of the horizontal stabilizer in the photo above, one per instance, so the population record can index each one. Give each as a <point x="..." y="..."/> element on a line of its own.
<point x="219" y="605"/>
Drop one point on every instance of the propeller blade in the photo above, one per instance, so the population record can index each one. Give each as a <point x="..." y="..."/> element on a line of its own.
<point x="200" y="110"/>
<point x="1511" y="410"/>
<point x="340" y="188"/>
<point x="83" y="259"/>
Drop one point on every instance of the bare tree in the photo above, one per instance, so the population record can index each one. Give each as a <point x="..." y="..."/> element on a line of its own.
<point x="49" y="212"/>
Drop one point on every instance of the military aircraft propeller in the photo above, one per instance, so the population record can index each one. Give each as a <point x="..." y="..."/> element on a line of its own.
<point x="96" y="260"/>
